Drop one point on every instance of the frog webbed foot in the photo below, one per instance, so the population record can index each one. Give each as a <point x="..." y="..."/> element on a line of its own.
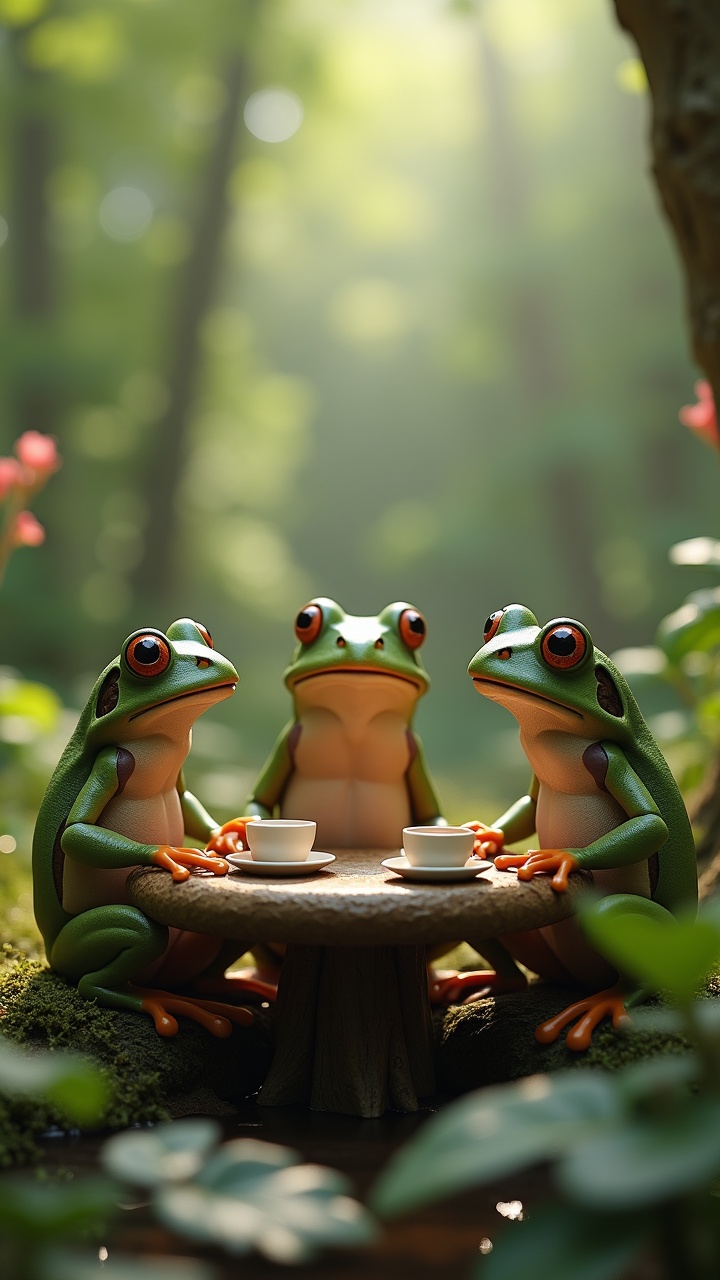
<point x="249" y="981"/>
<point x="214" y="1017"/>
<point x="465" y="987"/>
<point x="590" y="1013"/>
<point x="539" y="861"/>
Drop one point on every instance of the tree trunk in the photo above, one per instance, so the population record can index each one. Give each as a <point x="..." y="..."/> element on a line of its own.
<point x="157" y="573"/>
<point x="33" y="150"/>
<point x="679" y="42"/>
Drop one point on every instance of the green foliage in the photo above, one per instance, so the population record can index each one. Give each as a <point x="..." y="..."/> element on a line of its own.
<point x="554" y="1244"/>
<point x="66" y="1080"/>
<point x="241" y="1196"/>
<point x="632" y="1151"/>
<point x="674" y="957"/>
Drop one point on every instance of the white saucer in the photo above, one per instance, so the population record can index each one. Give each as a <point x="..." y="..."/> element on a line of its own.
<point x="315" y="861"/>
<point x="469" y="871"/>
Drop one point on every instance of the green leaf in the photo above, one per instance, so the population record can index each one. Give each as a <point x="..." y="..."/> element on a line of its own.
<point x="168" y="1153"/>
<point x="63" y="1264"/>
<point x="35" y="1210"/>
<point x="565" y="1244"/>
<point x="648" y="1160"/>
<point x="670" y="1073"/>
<point x="494" y="1132"/>
<point x="75" y="1085"/>
<point x="695" y="625"/>
<point x="253" y="1195"/>
<point x="674" y="955"/>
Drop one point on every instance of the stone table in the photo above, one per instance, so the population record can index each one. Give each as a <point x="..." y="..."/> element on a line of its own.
<point x="354" y="1033"/>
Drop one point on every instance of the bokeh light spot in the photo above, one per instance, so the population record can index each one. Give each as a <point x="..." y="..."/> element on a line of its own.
<point x="631" y="76"/>
<point x="8" y="844"/>
<point x="17" y="13"/>
<point x="273" y="115"/>
<point x="369" y="311"/>
<point x="126" y="213"/>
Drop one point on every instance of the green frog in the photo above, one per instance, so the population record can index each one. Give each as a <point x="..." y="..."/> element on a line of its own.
<point x="349" y="758"/>
<point x="118" y="800"/>
<point x="602" y="798"/>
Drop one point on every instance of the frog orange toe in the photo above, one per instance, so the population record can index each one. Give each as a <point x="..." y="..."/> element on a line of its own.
<point x="506" y="861"/>
<point x="473" y="984"/>
<point x="589" y="1013"/>
<point x="541" y="861"/>
<point x="214" y="1017"/>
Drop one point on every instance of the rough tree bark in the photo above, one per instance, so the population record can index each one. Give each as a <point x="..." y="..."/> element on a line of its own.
<point x="679" y="42"/>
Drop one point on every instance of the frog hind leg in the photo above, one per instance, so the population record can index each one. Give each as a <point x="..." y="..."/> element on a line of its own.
<point x="613" y="1002"/>
<point x="456" y="986"/>
<point x="214" y="981"/>
<point x="102" y="950"/>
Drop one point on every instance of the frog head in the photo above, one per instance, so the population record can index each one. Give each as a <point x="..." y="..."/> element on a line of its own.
<point x="552" y="677"/>
<point x="332" y="641"/>
<point x="158" y="676"/>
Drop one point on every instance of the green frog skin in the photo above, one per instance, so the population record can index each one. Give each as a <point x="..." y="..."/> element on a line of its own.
<point x="117" y="800"/>
<point x="602" y="798"/>
<point x="349" y="759"/>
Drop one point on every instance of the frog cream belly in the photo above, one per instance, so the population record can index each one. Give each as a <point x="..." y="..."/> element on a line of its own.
<point x="118" y="800"/>
<point x="349" y="759"/>
<point x="601" y="798"/>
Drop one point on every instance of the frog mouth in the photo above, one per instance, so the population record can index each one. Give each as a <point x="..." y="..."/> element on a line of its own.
<point x="178" y="697"/>
<point x="527" y="693"/>
<point x="357" y="671"/>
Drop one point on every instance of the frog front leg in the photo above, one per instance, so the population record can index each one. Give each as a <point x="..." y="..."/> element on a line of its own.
<point x="106" y="948"/>
<point x="635" y="840"/>
<point x="642" y="835"/>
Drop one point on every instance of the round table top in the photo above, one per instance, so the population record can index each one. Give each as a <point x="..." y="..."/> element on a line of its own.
<point x="355" y="902"/>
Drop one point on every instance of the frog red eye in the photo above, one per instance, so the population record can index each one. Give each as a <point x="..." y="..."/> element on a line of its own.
<point x="412" y="628"/>
<point x="564" y="646"/>
<point x="492" y="625"/>
<point x="308" y="623"/>
<point x="205" y="635"/>
<point x="148" y="655"/>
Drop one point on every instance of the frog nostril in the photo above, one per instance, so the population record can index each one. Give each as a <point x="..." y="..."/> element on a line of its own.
<point x="504" y="654"/>
<point x="340" y="642"/>
<point x="380" y="643"/>
<point x="203" y="663"/>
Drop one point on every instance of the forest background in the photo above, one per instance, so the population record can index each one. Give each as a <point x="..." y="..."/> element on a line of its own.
<point x="360" y="298"/>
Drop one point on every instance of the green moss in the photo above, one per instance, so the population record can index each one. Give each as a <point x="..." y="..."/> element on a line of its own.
<point x="146" y="1072"/>
<point x="493" y="1040"/>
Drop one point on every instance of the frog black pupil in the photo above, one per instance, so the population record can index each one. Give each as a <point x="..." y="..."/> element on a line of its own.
<point x="304" y="620"/>
<point x="416" y="624"/>
<point x="562" y="642"/>
<point x="146" y="652"/>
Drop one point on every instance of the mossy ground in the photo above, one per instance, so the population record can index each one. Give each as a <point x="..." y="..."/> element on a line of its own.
<point x="149" y="1077"/>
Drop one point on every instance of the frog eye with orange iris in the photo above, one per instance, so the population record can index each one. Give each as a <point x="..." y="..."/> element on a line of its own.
<point x="563" y="646"/>
<point x="492" y="625"/>
<point x="205" y="635"/>
<point x="308" y="623"/>
<point x="412" y="628"/>
<point x="148" y="654"/>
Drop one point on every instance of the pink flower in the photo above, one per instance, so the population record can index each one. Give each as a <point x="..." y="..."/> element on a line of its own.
<point x="38" y="452"/>
<point x="27" y="531"/>
<point x="701" y="417"/>
<point x="10" y="475"/>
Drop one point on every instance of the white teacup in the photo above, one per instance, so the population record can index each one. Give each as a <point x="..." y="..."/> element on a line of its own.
<point x="280" y="839"/>
<point x="438" y="846"/>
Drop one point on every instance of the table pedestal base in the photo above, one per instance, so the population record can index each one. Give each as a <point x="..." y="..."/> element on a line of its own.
<point x="354" y="1033"/>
